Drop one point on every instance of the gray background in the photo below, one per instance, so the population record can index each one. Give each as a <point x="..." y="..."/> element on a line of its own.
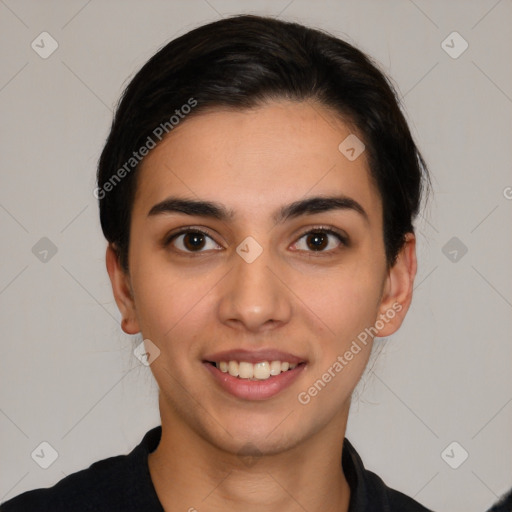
<point x="68" y="375"/>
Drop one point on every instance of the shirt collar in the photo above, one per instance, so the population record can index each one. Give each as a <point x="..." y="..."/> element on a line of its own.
<point x="362" y="497"/>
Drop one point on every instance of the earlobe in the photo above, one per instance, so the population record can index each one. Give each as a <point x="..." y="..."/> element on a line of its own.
<point x="120" y="281"/>
<point x="398" y="288"/>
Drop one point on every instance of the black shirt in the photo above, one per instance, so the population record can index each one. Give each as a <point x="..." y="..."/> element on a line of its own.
<point x="123" y="483"/>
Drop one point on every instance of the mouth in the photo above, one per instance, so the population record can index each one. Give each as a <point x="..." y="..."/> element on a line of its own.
<point x="254" y="375"/>
<point x="246" y="370"/>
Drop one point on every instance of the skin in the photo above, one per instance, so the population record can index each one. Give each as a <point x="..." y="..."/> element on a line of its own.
<point x="312" y="304"/>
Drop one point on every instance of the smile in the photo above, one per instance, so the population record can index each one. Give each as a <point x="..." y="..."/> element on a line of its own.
<point x="247" y="385"/>
<point x="258" y="371"/>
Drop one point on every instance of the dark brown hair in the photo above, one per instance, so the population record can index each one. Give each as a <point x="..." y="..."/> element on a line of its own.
<point x="244" y="61"/>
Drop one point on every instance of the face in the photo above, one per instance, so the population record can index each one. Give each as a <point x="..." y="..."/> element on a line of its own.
<point x="281" y="258"/>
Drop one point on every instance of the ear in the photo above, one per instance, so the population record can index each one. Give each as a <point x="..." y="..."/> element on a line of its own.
<point x="397" y="292"/>
<point x="121" y="287"/>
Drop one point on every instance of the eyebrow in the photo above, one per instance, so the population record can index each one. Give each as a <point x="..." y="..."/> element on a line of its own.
<point x="209" y="209"/>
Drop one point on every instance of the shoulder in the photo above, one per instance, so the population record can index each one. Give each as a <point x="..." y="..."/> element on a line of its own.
<point x="504" y="504"/>
<point x="81" y="491"/>
<point x="102" y="486"/>
<point x="368" y="490"/>
<point x="394" y="500"/>
<point x="121" y="482"/>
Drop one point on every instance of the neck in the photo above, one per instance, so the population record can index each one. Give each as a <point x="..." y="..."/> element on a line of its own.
<point x="191" y="473"/>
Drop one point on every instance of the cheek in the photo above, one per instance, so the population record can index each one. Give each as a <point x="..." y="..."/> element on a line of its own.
<point x="172" y="305"/>
<point x="345" y="307"/>
<point x="345" y="300"/>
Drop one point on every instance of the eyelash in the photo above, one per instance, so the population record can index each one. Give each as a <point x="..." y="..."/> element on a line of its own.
<point x="318" y="229"/>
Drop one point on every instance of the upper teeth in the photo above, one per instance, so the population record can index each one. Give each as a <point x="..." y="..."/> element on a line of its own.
<point x="260" y="371"/>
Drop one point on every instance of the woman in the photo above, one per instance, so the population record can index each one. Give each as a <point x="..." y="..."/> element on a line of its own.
<point x="257" y="192"/>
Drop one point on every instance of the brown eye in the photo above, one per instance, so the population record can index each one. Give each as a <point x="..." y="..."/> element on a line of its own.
<point x="317" y="241"/>
<point x="192" y="241"/>
<point x="321" y="240"/>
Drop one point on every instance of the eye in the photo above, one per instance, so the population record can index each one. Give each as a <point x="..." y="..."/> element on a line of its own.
<point x="192" y="240"/>
<point x="321" y="240"/>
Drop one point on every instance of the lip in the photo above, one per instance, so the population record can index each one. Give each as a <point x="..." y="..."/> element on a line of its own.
<point x="254" y="356"/>
<point x="254" y="389"/>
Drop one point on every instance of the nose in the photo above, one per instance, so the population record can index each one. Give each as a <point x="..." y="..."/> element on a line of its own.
<point x="254" y="295"/>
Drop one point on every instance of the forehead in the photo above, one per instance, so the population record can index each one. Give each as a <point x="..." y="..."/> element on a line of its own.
<point x="256" y="160"/>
